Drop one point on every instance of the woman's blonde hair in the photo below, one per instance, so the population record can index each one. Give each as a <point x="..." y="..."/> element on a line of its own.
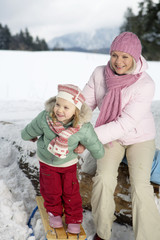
<point x="131" y="70"/>
<point x="75" y="117"/>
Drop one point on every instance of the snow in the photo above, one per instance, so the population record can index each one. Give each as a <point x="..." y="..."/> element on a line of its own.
<point x="27" y="80"/>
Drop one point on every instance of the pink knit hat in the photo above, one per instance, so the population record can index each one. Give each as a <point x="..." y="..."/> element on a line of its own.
<point x="127" y="42"/>
<point x="72" y="94"/>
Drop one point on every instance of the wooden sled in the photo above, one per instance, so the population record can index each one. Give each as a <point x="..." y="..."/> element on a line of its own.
<point x="56" y="233"/>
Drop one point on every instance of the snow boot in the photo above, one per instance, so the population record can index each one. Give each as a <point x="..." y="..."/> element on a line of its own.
<point x="96" y="237"/>
<point x="73" y="228"/>
<point x="55" y="221"/>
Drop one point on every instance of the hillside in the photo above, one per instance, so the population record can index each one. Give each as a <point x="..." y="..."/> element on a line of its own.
<point x="98" y="40"/>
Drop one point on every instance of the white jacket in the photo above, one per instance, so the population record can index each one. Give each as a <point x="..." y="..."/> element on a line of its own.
<point x="136" y="123"/>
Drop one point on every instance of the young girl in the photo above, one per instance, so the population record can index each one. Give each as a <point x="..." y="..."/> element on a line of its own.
<point x="123" y="92"/>
<point x="62" y="126"/>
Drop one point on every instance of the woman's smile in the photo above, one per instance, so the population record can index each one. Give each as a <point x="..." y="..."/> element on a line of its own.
<point x="121" y="62"/>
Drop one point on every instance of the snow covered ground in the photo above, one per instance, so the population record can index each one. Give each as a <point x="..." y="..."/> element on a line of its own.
<point x="27" y="80"/>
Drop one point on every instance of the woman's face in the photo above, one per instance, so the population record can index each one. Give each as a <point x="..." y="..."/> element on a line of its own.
<point x="121" y="62"/>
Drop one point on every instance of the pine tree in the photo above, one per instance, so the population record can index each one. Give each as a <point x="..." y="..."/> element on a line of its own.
<point x="147" y="26"/>
<point x="40" y="44"/>
<point x="5" y="37"/>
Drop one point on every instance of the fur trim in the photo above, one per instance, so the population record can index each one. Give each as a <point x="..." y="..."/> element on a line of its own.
<point x="85" y="112"/>
<point x="49" y="104"/>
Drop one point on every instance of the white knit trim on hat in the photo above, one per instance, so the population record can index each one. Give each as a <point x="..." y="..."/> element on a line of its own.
<point x="70" y="98"/>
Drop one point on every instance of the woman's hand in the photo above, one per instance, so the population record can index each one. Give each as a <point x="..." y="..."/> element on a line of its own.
<point x="34" y="139"/>
<point x="80" y="149"/>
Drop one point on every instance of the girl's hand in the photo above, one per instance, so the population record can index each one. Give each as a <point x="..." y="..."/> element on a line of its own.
<point x="34" y="139"/>
<point x="80" y="149"/>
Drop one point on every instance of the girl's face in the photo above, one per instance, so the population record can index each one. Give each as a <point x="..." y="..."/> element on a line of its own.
<point x="121" y="62"/>
<point x="64" y="110"/>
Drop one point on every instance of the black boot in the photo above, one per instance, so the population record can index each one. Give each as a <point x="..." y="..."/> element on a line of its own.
<point x="96" y="237"/>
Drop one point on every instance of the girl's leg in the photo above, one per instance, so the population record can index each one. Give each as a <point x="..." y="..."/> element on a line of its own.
<point x="71" y="196"/>
<point x="51" y="189"/>
<point x="146" y="218"/>
<point x="104" y="184"/>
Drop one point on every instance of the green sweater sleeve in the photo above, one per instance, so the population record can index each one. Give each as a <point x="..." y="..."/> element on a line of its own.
<point x="92" y="143"/>
<point x="34" y="128"/>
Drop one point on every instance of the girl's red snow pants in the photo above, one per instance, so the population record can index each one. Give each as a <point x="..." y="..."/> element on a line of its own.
<point x="60" y="188"/>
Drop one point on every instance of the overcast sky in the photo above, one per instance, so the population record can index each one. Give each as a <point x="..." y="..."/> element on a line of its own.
<point x="50" y="18"/>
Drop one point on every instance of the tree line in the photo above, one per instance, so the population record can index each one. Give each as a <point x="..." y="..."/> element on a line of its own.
<point x="146" y="24"/>
<point x="20" y="41"/>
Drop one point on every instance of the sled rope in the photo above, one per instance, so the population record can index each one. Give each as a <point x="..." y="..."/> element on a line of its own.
<point x="30" y="225"/>
<point x="29" y="221"/>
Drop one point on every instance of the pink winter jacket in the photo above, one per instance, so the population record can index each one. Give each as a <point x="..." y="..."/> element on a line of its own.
<point x="136" y="123"/>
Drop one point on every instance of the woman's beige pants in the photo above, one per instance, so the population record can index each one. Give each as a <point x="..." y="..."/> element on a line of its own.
<point x="146" y="218"/>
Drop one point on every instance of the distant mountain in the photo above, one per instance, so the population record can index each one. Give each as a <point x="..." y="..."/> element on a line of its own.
<point x="95" y="41"/>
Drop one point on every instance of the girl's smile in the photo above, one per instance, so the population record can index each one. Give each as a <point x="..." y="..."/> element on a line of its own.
<point x="64" y="110"/>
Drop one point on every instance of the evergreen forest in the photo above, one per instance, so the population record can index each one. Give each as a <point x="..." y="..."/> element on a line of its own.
<point x="146" y="24"/>
<point x="20" y="41"/>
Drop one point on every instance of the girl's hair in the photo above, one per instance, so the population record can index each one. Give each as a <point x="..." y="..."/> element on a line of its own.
<point x="75" y="117"/>
<point x="131" y="70"/>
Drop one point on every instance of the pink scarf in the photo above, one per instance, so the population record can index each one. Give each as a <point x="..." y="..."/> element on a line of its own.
<point x="111" y="106"/>
<point x="59" y="145"/>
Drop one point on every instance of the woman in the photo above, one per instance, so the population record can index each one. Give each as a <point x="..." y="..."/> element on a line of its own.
<point x="123" y="92"/>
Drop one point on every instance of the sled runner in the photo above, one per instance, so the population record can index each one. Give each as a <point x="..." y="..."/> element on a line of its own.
<point x="57" y="233"/>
